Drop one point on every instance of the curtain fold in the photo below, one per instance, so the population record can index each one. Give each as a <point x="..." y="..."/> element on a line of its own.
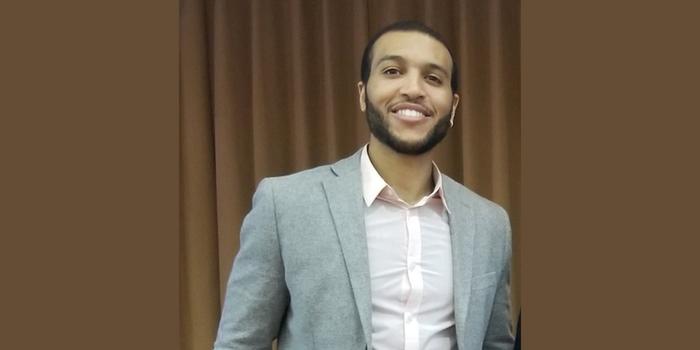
<point x="199" y="277"/>
<point x="269" y="88"/>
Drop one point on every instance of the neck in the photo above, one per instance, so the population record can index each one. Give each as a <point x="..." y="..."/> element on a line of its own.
<point x="411" y="176"/>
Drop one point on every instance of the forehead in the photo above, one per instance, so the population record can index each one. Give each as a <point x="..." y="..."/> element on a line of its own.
<point x="414" y="47"/>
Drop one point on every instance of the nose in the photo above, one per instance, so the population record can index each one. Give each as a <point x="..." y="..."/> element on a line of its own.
<point x="412" y="86"/>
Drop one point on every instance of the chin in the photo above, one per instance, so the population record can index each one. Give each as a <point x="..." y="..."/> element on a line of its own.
<point x="410" y="141"/>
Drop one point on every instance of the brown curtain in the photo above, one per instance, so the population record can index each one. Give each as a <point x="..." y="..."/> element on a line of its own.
<point x="269" y="88"/>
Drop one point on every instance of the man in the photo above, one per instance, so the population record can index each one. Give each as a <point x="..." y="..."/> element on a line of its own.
<point x="379" y="250"/>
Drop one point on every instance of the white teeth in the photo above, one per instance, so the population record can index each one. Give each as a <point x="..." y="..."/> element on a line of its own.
<point x="410" y="113"/>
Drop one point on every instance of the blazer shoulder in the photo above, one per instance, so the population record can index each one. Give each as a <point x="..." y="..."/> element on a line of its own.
<point x="483" y="205"/>
<point x="298" y="182"/>
<point x="306" y="181"/>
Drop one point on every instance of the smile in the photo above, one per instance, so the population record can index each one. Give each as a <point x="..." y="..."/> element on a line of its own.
<point x="409" y="113"/>
<point x="410" y="116"/>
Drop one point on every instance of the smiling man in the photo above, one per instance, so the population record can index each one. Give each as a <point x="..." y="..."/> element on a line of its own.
<point x="379" y="250"/>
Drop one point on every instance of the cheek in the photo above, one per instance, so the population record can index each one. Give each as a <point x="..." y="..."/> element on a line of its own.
<point x="381" y="91"/>
<point x="444" y="103"/>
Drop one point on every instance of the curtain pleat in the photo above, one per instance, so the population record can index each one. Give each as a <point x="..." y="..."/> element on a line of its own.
<point x="269" y="88"/>
<point x="199" y="280"/>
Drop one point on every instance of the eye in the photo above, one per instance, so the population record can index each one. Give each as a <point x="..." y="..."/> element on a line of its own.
<point x="391" y="71"/>
<point x="434" y="79"/>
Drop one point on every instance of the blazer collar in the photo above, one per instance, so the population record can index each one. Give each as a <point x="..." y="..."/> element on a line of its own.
<point x="463" y="229"/>
<point x="344" y="196"/>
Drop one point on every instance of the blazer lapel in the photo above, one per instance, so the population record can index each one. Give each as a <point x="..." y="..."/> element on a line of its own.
<point x="344" y="195"/>
<point x="462" y="228"/>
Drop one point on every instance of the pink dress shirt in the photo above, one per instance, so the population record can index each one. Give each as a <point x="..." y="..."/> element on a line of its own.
<point x="410" y="263"/>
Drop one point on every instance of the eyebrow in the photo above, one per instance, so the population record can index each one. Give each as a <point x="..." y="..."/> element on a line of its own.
<point x="401" y="59"/>
<point x="437" y="67"/>
<point x="390" y="58"/>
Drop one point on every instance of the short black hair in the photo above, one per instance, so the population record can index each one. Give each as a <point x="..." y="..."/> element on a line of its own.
<point x="405" y="26"/>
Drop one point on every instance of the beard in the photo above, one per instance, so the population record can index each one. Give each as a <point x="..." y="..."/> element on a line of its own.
<point x="379" y="127"/>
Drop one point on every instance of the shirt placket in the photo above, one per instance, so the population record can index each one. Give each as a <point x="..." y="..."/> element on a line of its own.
<point x="415" y="280"/>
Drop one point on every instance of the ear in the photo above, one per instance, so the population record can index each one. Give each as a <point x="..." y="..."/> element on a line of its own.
<point x="361" y="94"/>
<point x="455" y="102"/>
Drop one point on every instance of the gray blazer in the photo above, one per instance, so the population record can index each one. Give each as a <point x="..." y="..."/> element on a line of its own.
<point x="302" y="276"/>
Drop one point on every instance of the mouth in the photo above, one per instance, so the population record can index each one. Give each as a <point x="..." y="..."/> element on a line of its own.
<point x="410" y="112"/>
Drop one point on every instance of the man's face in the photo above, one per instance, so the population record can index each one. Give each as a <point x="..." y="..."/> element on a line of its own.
<point x="408" y="99"/>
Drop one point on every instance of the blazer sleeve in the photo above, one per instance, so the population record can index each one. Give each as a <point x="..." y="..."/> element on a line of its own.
<point x="256" y="294"/>
<point x="499" y="334"/>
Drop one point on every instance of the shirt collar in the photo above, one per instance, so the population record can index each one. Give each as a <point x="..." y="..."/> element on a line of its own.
<point x="373" y="184"/>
